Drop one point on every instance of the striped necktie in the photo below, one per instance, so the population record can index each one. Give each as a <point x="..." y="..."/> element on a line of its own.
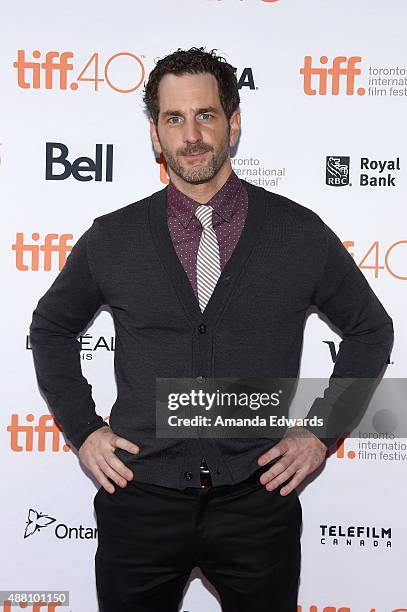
<point x="208" y="260"/>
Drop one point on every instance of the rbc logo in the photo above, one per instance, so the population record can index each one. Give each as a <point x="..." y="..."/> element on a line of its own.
<point x="337" y="171"/>
<point x="82" y="168"/>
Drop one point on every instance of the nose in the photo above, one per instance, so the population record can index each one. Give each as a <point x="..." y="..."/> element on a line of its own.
<point x="192" y="131"/>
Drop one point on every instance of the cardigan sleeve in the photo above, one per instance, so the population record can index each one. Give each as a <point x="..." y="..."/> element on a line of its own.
<point x="346" y="298"/>
<point x="60" y="315"/>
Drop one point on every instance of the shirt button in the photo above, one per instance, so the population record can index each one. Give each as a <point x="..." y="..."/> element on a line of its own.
<point x="200" y="378"/>
<point x="202" y="328"/>
<point x="188" y="475"/>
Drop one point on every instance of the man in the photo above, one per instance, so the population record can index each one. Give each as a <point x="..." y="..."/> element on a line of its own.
<point x="208" y="277"/>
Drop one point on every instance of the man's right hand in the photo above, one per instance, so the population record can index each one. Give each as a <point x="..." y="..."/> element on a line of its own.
<point x="97" y="455"/>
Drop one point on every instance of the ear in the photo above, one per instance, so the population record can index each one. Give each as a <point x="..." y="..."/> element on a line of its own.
<point x="154" y="137"/>
<point x="234" y="128"/>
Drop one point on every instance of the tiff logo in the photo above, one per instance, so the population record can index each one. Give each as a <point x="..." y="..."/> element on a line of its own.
<point x="53" y="243"/>
<point x="314" y="608"/>
<point x="29" y="72"/>
<point x="46" y="435"/>
<point x="32" y="437"/>
<point x="329" y="80"/>
<point x="9" y="606"/>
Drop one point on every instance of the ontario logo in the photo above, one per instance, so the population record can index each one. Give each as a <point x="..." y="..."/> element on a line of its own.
<point x="37" y="521"/>
<point x="331" y="77"/>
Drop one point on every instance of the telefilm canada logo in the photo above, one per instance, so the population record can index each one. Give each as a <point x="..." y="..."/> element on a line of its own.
<point x="371" y="172"/>
<point x="361" y="536"/>
<point x="38" y="521"/>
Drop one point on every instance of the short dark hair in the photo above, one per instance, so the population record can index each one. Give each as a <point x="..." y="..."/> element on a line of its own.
<point x="195" y="60"/>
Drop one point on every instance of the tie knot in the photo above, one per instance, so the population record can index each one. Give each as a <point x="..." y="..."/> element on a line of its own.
<point x="204" y="214"/>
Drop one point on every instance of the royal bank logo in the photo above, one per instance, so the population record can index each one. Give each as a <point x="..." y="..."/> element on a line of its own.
<point x="372" y="172"/>
<point x="337" y="170"/>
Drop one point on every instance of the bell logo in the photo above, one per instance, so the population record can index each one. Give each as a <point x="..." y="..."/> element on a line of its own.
<point x="81" y="169"/>
<point x="329" y="80"/>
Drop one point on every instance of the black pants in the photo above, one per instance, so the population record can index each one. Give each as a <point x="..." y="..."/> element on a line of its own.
<point x="245" y="539"/>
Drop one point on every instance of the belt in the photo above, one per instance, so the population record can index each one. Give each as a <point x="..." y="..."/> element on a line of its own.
<point x="206" y="479"/>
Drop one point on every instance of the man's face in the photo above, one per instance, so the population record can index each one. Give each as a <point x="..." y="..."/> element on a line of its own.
<point x="192" y="132"/>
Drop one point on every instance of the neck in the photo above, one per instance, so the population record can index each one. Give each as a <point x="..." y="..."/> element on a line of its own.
<point x="202" y="192"/>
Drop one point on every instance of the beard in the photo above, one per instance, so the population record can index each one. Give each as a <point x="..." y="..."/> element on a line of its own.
<point x="203" y="171"/>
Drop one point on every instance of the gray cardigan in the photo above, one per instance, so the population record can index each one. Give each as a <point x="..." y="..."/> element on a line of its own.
<point x="286" y="260"/>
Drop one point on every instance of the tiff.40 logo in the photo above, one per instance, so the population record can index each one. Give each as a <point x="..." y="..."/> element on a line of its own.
<point x="41" y="72"/>
<point x="324" y="80"/>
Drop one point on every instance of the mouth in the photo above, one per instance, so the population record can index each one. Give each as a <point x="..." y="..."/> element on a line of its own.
<point x="195" y="155"/>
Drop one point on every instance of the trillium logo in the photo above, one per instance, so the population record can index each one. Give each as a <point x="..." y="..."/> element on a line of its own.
<point x="36" y="521"/>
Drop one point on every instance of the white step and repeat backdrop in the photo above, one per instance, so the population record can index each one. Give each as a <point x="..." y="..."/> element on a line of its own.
<point x="323" y="98"/>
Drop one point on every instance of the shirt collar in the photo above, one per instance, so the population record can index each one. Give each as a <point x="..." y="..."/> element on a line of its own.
<point x="224" y="202"/>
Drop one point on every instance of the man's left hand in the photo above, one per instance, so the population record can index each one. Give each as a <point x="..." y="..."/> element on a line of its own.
<point x="301" y="453"/>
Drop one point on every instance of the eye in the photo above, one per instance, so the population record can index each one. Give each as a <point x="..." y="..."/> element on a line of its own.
<point x="206" y="116"/>
<point x="174" y="117"/>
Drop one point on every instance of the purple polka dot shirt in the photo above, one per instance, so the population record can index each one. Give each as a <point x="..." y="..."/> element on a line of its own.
<point x="229" y="216"/>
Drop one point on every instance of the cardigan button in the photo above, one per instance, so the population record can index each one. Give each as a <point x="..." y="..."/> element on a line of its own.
<point x="202" y="328"/>
<point x="200" y="378"/>
<point x="188" y="475"/>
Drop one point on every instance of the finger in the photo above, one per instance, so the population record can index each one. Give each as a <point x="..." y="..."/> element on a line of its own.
<point x="294" y="482"/>
<point x="119" y="466"/>
<point x="271" y="454"/>
<point x="101" y="478"/>
<point x="278" y="480"/>
<point x="126" y="445"/>
<point x="109" y="471"/>
<point x="276" y="469"/>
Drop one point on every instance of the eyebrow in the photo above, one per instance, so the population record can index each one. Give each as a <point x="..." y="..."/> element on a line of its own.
<point x="206" y="109"/>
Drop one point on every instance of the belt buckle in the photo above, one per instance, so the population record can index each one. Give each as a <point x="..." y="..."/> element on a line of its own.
<point x="206" y="479"/>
